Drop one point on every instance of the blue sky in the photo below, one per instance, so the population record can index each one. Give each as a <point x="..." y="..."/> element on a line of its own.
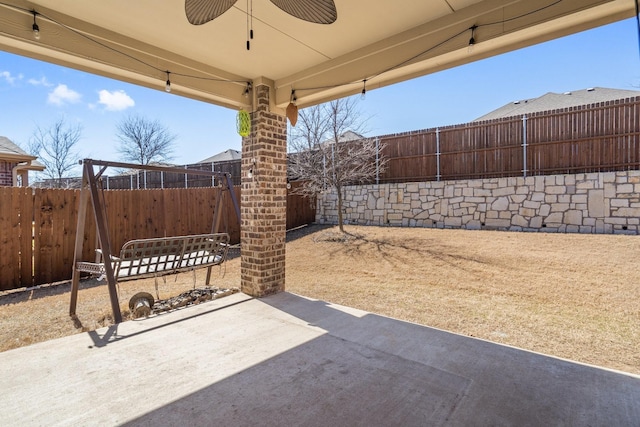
<point x="34" y="93"/>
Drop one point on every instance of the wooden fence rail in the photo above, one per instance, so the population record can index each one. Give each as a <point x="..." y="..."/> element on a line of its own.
<point x="38" y="226"/>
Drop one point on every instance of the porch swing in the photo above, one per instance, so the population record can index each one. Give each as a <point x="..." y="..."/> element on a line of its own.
<point x="152" y="257"/>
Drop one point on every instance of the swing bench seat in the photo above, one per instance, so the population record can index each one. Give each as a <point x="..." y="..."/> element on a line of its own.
<point x="165" y="255"/>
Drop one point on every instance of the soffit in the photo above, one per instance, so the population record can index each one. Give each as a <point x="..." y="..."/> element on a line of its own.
<point x="378" y="41"/>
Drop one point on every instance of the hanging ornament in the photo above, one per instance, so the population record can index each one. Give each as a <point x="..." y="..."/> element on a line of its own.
<point x="292" y="114"/>
<point x="292" y="109"/>
<point x="243" y="123"/>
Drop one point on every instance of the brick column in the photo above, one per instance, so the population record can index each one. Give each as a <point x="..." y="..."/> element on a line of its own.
<point x="264" y="199"/>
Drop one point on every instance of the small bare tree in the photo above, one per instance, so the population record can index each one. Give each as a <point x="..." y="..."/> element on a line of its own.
<point x="144" y="141"/>
<point x="55" y="148"/>
<point x="327" y="151"/>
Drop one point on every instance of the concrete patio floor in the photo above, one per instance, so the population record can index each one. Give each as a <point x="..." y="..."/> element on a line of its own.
<point x="289" y="361"/>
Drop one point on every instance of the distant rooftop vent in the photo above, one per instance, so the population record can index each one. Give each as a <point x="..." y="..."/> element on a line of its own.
<point x="591" y="89"/>
<point x="567" y="93"/>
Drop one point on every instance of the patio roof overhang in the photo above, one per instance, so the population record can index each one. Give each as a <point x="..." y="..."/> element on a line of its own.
<point x="370" y="45"/>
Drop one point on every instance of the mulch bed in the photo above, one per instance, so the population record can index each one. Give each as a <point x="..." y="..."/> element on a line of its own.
<point x="143" y="304"/>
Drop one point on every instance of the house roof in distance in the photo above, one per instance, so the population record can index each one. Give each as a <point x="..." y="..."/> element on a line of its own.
<point x="10" y="150"/>
<point x="345" y="137"/>
<point x="12" y="153"/>
<point x="555" y="101"/>
<point x="225" y="156"/>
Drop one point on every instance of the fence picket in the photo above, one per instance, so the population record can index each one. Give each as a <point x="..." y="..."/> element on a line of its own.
<point x="9" y="246"/>
<point x="26" y="236"/>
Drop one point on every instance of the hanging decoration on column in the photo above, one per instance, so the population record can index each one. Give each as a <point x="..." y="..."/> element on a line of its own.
<point x="243" y="123"/>
<point x="292" y="109"/>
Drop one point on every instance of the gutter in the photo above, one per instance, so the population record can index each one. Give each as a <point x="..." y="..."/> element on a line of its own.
<point x="17" y="168"/>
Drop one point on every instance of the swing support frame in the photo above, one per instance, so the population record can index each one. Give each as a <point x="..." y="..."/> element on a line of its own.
<point x="90" y="191"/>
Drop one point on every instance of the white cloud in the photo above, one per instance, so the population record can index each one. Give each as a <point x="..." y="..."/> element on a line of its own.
<point x="115" y="101"/>
<point x="62" y="95"/>
<point x="6" y="75"/>
<point x="42" y="82"/>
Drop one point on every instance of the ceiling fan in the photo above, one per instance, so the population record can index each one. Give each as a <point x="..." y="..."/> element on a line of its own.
<point x="317" y="11"/>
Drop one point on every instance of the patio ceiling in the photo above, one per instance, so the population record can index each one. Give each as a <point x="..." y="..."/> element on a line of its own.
<point x="372" y="44"/>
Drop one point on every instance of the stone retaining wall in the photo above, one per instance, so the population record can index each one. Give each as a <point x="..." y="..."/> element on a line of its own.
<point x="607" y="202"/>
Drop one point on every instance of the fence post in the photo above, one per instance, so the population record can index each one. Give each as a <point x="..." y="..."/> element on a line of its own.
<point x="213" y="178"/>
<point x="161" y="179"/>
<point x="107" y="182"/>
<point x="524" y="145"/>
<point x="145" y="179"/>
<point x="437" y="154"/>
<point x="186" y="184"/>
<point x="377" y="160"/>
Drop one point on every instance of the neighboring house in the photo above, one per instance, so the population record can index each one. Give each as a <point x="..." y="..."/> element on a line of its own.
<point x="345" y="137"/>
<point x="15" y="164"/>
<point x="225" y="156"/>
<point x="557" y="101"/>
<point x="229" y="161"/>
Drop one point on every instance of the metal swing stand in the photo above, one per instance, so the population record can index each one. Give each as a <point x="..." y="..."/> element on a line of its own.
<point x="90" y="189"/>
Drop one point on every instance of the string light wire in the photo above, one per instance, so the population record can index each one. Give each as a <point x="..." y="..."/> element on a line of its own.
<point x="418" y="55"/>
<point x="112" y="49"/>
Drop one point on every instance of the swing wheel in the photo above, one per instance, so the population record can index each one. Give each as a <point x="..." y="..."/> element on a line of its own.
<point x="141" y="304"/>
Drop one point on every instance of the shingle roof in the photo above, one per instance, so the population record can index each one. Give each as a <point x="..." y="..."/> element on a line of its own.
<point x="223" y="157"/>
<point x="36" y="166"/>
<point x="345" y="137"/>
<point x="9" y="149"/>
<point x="555" y="101"/>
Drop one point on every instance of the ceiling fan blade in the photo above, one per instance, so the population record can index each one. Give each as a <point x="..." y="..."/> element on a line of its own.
<point x="202" y="11"/>
<point x="316" y="11"/>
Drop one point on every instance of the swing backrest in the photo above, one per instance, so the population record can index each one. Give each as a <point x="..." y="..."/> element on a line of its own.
<point x="166" y="255"/>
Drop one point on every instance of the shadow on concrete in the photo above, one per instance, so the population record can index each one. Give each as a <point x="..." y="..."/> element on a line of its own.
<point x="324" y="382"/>
<point x="110" y="334"/>
<point x="369" y="370"/>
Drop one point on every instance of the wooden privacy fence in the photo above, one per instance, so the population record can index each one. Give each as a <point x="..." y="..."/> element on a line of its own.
<point x="38" y="226"/>
<point x="300" y="210"/>
<point x="592" y="138"/>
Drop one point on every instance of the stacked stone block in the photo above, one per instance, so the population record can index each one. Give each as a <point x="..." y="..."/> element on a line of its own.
<point x="606" y="202"/>
<point x="264" y="200"/>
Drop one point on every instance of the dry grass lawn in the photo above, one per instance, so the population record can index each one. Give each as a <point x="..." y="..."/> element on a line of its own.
<point x="573" y="296"/>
